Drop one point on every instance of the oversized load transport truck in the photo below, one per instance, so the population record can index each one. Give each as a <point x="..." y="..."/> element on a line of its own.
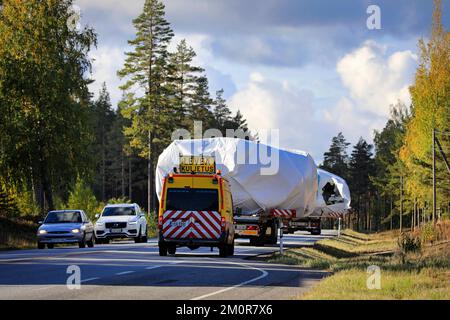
<point x="333" y="201"/>
<point x="268" y="185"/>
<point x="196" y="210"/>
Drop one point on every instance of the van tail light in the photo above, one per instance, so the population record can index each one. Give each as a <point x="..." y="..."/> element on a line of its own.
<point x="252" y="228"/>
<point x="223" y="224"/>
<point x="160" y="222"/>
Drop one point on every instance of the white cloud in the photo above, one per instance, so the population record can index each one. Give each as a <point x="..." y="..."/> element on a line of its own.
<point x="271" y="104"/>
<point x="376" y="80"/>
<point x="130" y="8"/>
<point x="353" y="121"/>
<point x="106" y="62"/>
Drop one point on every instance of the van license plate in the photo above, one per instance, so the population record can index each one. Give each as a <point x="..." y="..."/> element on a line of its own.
<point x="249" y="232"/>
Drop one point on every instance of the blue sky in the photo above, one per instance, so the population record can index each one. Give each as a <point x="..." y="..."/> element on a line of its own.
<point x="308" y="68"/>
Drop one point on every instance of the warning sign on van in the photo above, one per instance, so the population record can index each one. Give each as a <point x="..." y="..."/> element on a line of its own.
<point x="197" y="164"/>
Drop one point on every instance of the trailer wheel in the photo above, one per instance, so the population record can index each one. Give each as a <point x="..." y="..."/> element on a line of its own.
<point x="230" y="249"/>
<point x="172" y="249"/>
<point x="223" y="251"/>
<point x="273" y="238"/>
<point x="162" y="249"/>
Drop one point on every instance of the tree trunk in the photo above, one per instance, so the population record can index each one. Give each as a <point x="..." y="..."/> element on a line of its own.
<point x="357" y="217"/>
<point x="391" y="214"/>
<point x="130" y="183"/>
<point x="47" y="189"/>
<point x="103" y="167"/>
<point x="149" y="169"/>
<point x="122" y="173"/>
<point x="401" y="204"/>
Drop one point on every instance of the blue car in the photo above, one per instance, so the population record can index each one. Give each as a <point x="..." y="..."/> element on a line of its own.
<point x="68" y="226"/>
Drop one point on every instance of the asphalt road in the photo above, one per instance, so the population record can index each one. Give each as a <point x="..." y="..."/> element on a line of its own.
<point x="125" y="270"/>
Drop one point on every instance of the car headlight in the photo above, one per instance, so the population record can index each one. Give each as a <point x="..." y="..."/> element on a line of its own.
<point x="132" y="222"/>
<point x="42" y="231"/>
<point x="76" y="231"/>
<point x="100" y="224"/>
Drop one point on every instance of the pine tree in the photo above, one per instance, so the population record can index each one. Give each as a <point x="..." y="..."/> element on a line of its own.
<point x="336" y="159"/>
<point x="361" y="168"/>
<point x="183" y="77"/>
<point x="146" y="70"/>
<point x="200" y="108"/>
<point x="103" y="123"/>
<point x="388" y="167"/>
<point x="222" y="113"/>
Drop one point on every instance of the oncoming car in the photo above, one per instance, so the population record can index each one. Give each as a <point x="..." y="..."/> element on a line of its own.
<point x="121" y="221"/>
<point x="69" y="226"/>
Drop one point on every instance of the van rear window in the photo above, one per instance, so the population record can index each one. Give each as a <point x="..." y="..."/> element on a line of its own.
<point x="192" y="199"/>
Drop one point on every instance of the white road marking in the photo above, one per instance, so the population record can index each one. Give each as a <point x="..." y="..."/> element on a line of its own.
<point x="123" y="273"/>
<point x="154" y="267"/>
<point x="263" y="275"/>
<point x="90" y="279"/>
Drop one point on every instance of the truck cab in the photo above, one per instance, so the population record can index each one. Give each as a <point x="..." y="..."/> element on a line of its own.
<point x="196" y="210"/>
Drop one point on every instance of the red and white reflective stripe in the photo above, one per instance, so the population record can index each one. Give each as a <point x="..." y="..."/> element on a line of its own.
<point x="333" y="215"/>
<point x="191" y="224"/>
<point x="283" y="213"/>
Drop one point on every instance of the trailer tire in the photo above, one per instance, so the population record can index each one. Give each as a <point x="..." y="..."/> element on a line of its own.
<point x="230" y="249"/>
<point x="273" y="238"/>
<point x="162" y="249"/>
<point x="172" y="249"/>
<point x="223" y="251"/>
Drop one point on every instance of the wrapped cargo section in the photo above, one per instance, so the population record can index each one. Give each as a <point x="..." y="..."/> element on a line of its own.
<point x="261" y="177"/>
<point x="333" y="196"/>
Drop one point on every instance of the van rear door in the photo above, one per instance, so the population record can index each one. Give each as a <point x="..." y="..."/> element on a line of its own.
<point x="192" y="214"/>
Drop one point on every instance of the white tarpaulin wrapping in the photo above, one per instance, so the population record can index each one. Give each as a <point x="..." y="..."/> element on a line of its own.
<point x="333" y="196"/>
<point x="260" y="176"/>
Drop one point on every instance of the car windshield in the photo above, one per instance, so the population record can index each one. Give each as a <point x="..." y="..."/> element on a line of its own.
<point x="192" y="199"/>
<point x="118" y="211"/>
<point x="63" y="217"/>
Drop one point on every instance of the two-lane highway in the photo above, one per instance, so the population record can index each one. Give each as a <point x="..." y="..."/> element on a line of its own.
<point x="126" y="270"/>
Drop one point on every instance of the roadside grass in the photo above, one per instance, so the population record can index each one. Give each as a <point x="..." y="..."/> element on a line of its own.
<point x="423" y="274"/>
<point x="429" y="283"/>
<point x="17" y="234"/>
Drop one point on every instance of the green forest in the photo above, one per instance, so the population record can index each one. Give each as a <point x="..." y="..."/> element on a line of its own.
<point x="62" y="148"/>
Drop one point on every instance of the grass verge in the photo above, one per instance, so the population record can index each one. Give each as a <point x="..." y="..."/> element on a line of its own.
<point x="17" y="234"/>
<point x="423" y="274"/>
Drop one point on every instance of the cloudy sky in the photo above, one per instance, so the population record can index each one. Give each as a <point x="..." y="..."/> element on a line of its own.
<point x="309" y="68"/>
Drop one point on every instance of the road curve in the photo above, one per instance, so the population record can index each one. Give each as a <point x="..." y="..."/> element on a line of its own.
<point x="125" y="270"/>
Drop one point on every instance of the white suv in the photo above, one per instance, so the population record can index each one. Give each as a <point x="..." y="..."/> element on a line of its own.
<point x="121" y="221"/>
